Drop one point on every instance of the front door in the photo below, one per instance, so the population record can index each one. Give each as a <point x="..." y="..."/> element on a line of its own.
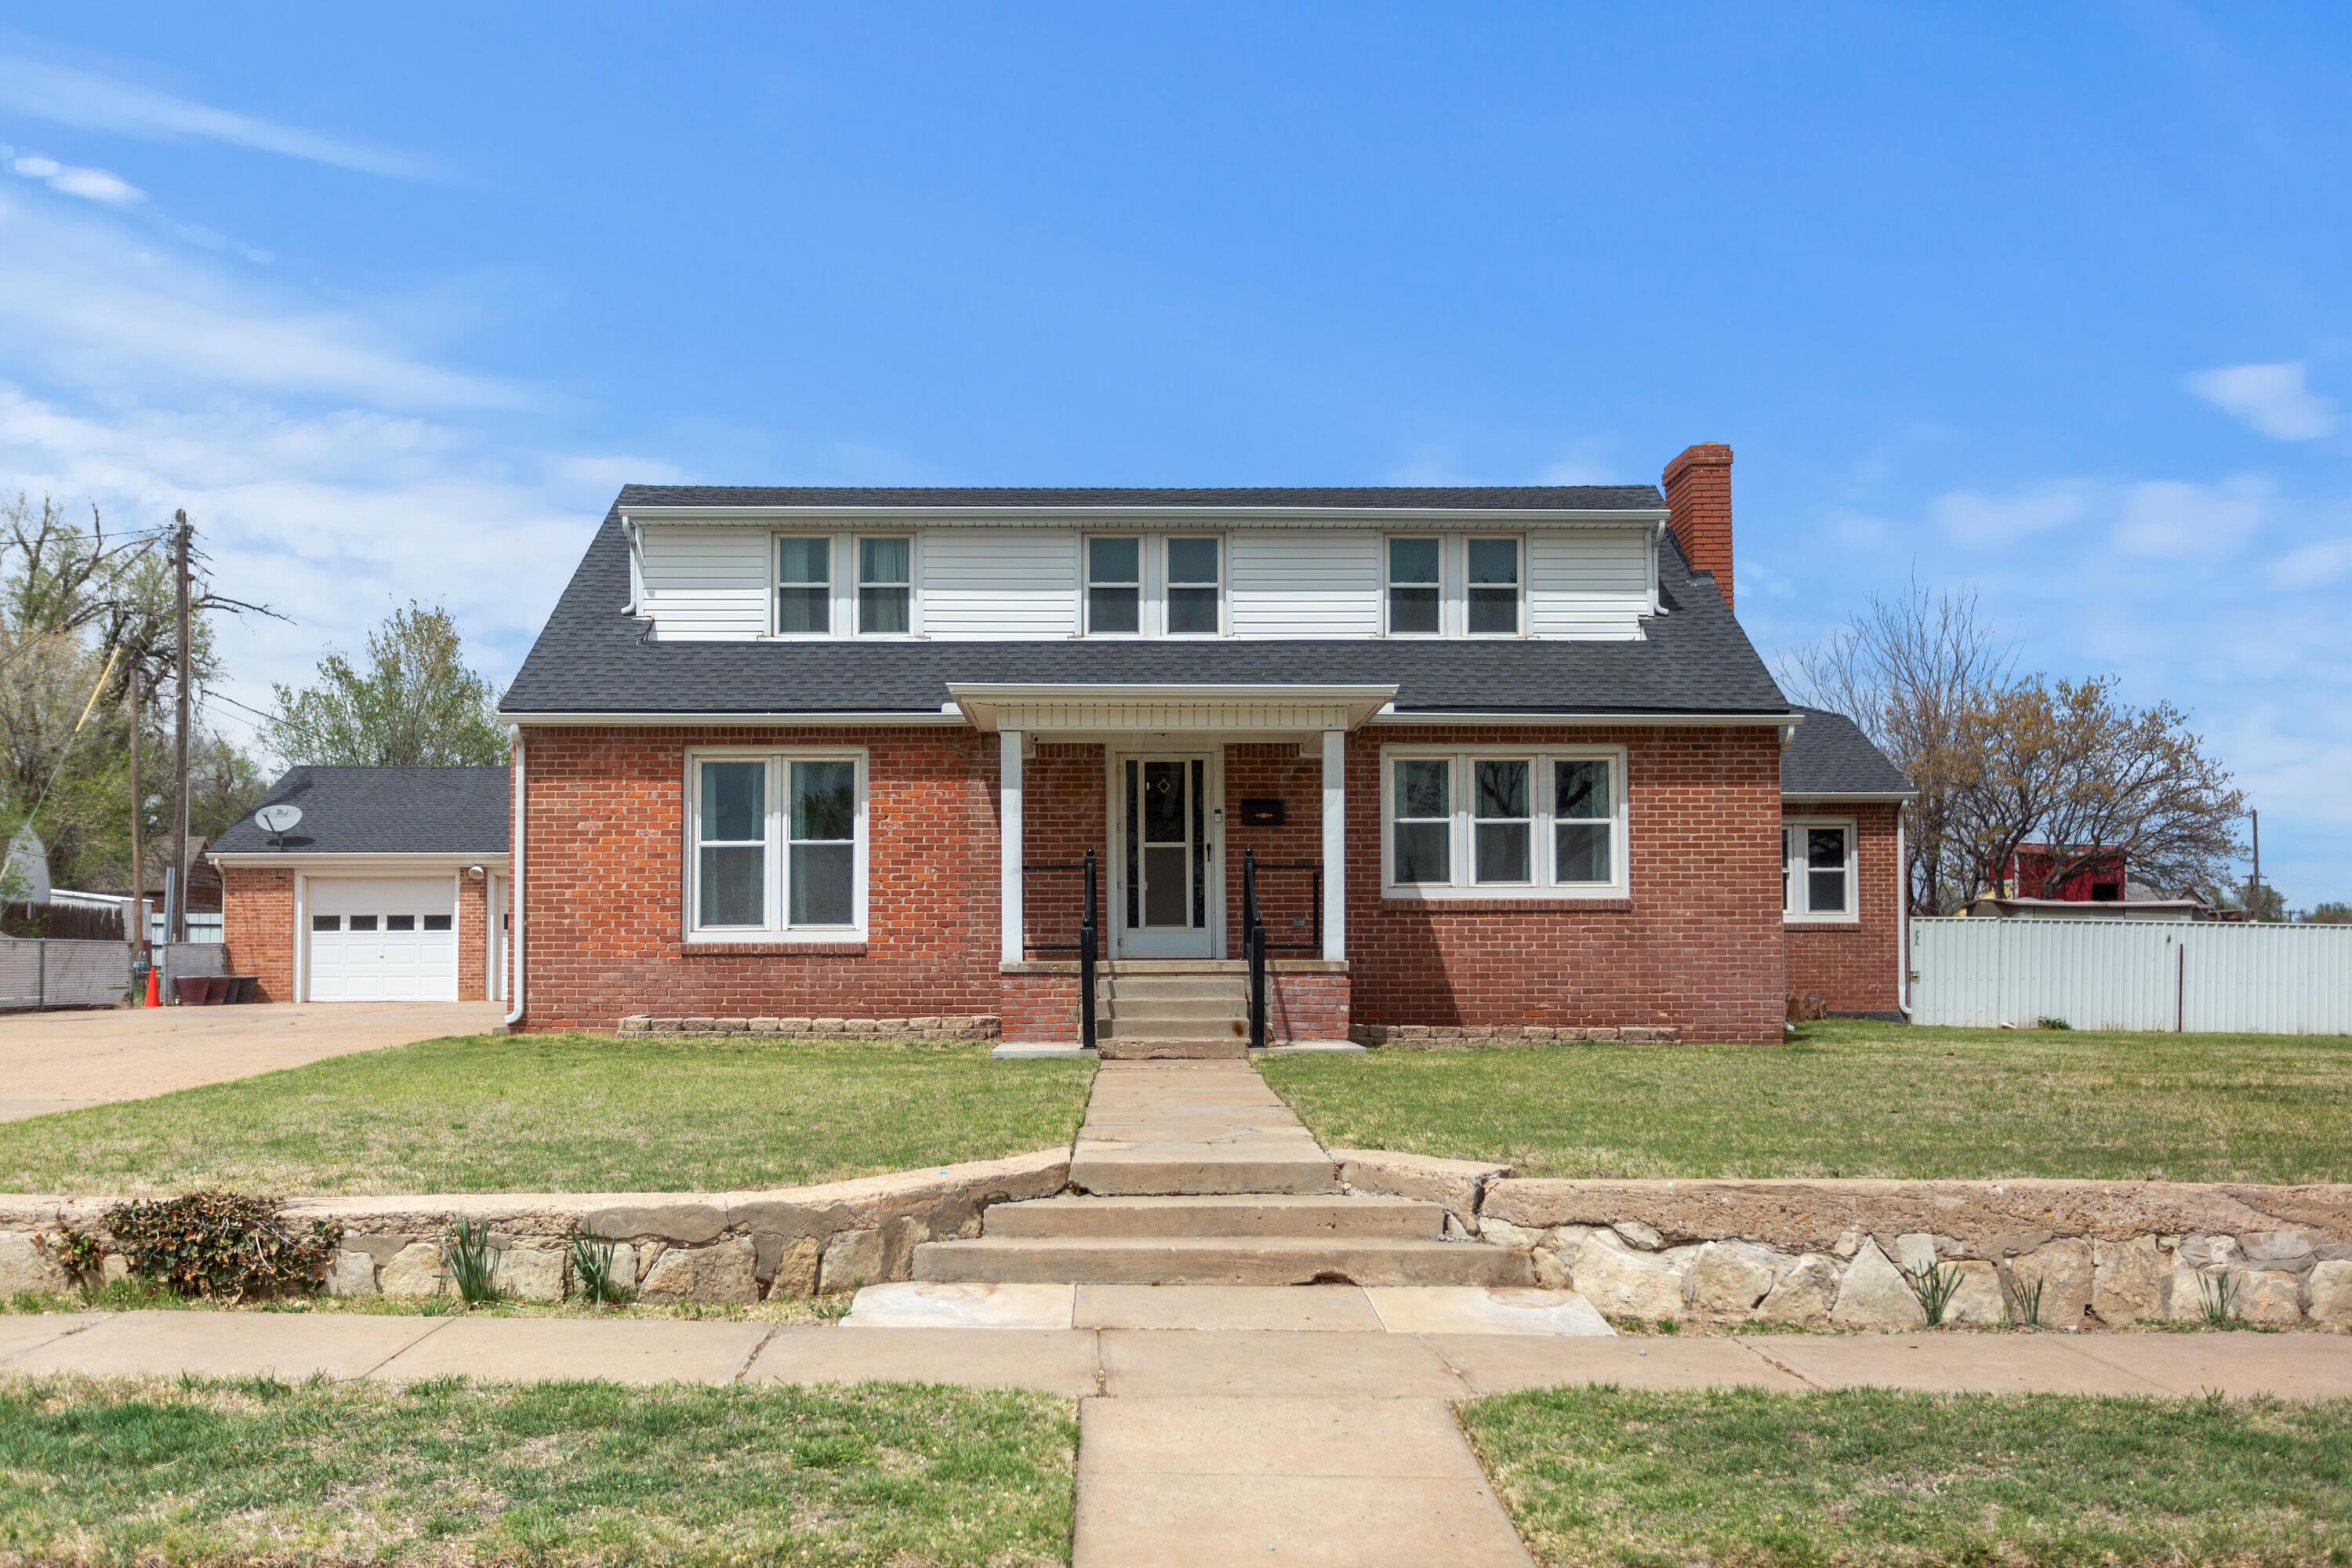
<point x="1165" y="864"/>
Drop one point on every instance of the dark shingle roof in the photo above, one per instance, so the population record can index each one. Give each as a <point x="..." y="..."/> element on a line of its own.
<point x="1831" y="756"/>
<point x="1405" y="498"/>
<point x="592" y="658"/>
<point x="381" y="811"/>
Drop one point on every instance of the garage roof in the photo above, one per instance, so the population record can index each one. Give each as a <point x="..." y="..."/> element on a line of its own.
<point x="380" y="811"/>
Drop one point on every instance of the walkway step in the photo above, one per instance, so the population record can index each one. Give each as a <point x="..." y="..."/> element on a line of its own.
<point x="1130" y="1175"/>
<point x="1219" y="1260"/>
<point x="1220" y="1006"/>
<point x="1263" y="1215"/>
<point x="1160" y="1047"/>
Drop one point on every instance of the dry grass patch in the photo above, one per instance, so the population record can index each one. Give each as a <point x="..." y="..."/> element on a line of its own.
<point x="1846" y="1098"/>
<point x="562" y="1114"/>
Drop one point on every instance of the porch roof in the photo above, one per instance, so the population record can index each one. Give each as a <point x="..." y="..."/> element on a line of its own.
<point x="1093" y="706"/>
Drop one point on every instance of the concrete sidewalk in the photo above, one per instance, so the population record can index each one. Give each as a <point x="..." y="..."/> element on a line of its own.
<point x="1305" y="1445"/>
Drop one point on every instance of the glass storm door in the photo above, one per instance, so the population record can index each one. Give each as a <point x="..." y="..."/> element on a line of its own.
<point x="1166" y="860"/>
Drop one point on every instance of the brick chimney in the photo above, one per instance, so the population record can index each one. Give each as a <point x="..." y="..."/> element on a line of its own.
<point x="1698" y="504"/>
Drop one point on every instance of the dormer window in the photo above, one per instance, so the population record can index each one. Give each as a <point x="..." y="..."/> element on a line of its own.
<point x="805" y="586"/>
<point x="886" y="587"/>
<point x="1195" y="587"/>
<point x="1114" y="586"/>
<point x="1494" y="579"/>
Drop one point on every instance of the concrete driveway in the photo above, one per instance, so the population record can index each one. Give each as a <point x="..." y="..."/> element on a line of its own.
<point x="63" y="1061"/>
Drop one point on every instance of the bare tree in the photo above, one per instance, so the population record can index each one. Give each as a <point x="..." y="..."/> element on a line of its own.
<point x="1913" y="670"/>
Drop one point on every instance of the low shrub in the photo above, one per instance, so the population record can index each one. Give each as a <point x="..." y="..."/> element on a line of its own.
<point x="591" y="1270"/>
<point x="471" y="1264"/>
<point x="221" y="1244"/>
<point x="77" y="1252"/>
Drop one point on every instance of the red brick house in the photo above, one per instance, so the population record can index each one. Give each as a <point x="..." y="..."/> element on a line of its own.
<point x="1478" y="760"/>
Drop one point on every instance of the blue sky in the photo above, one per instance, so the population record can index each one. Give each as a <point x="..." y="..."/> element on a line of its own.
<point x="2050" y="303"/>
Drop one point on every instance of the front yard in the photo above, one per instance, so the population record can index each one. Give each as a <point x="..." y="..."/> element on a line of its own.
<point x="1847" y="1099"/>
<point x="1865" y="1478"/>
<point x="446" y="1473"/>
<point x="561" y="1113"/>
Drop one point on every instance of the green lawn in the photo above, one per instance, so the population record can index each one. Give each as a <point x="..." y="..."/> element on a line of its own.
<point x="561" y="1113"/>
<point x="1856" y="1099"/>
<point x="448" y="1473"/>
<point x="1604" y="1477"/>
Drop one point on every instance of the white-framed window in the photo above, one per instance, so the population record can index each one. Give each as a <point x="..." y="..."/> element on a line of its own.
<point x="1416" y="585"/>
<point x="776" y="843"/>
<point x="1492" y="581"/>
<point x="886" y="584"/>
<point x="804" y="584"/>
<point x="1817" y="870"/>
<point x="1195" y="584"/>
<point x="1503" y="822"/>
<point x="1114" y="585"/>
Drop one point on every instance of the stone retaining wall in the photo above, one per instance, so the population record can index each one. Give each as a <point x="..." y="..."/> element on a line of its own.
<point x="950" y="1026"/>
<point x="672" y="1246"/>
<point x="1447" y="1037"/>
<point x="1836" y="1253"/>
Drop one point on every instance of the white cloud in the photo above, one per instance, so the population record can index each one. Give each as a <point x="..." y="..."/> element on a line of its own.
<point x="1970" y="517"/>
<point x="88" y="101"/>
<point x="2171" y="520"/>
<point x="91" y="184"/>
<point x="2316" y="565"/>
<point x="95" y="304"/>
<point x="2272" y="398"/>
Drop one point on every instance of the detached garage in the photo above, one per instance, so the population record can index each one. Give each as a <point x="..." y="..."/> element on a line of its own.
<point x="389" y="886"/>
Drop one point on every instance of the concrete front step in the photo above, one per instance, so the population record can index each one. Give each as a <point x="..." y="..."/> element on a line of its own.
<point x="1175" y="1175"/>
<point x="1179" y="1006"/>
<point x="1179" y="1028"/>
<point x="1116" y="1047"/>
<point x="1298" y="1217"/>
<point x="1176" y="986"/>
<point x="1219" y="1260"/>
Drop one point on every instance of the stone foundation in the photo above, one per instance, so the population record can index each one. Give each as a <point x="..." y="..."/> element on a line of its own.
<point x="718" y="1247"/>
<point x="1836" y="1254"/>
<point x="1445" y="1038"/>
<point x="960" y="1026"/>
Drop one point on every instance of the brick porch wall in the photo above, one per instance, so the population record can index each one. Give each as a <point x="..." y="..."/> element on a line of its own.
<point x="1697" y="947"/>
<point x="605" y="874"/>
<point x="257" y="927"/>
<point x="1852" y="967"/>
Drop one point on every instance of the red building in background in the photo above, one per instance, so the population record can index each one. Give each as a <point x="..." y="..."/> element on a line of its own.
<point x="2027" y="874"/>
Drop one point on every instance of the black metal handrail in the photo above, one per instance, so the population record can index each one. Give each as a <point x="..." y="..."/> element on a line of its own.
<point x="1088" y="930"/>
<point x="1255" y="946"/>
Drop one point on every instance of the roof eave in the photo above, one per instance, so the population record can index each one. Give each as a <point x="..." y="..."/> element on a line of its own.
<point x="1041" y="514"/>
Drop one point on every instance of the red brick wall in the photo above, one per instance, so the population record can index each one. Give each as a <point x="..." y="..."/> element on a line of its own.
<point x="1697" y="947"/>
<point x="1852" y="967"/>
<point x="1697" y="486"/>
<point x="604" y="872"/>
<point x="1063" y="806"/>
<point x="1287" y="898"/>
<point x="258" y="926"/>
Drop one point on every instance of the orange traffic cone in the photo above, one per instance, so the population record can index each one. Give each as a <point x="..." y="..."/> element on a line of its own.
<point x="154" y="990"/>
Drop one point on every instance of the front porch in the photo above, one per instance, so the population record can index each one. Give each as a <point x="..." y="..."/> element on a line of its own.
<point x="1155" y="830"/>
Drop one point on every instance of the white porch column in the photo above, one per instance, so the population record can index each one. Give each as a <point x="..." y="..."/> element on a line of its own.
<point x="1335" y="844"/>
<point x="1009" y="842"/>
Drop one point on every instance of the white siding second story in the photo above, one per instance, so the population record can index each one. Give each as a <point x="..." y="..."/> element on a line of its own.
<point x="717" y="578"/>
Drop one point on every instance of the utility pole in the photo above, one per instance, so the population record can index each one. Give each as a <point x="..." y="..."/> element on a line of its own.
<point x="134" y="922"/>
<point x="180" y="744"/>
<point x="2254" y="893"/>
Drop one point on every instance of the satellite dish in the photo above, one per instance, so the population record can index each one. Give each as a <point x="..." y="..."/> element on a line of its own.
<point x="278" y="818"/>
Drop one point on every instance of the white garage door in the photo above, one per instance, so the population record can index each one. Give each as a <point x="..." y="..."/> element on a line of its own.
<point x="382" y="939"/>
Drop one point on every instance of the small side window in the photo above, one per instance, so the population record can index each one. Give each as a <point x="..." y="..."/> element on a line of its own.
<point x="437" y="922"/>
<point x="326" y="923"/>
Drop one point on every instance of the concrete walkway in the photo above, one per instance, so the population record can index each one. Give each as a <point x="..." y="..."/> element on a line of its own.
<point x="1193" y="1127"/>
<point x="66" y="1061"/>
<point x="1202" y="1446"/>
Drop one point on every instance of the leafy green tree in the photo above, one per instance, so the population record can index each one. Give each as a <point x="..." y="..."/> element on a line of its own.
<point x="413" y="702"/>
<point x="2333" y="913"/>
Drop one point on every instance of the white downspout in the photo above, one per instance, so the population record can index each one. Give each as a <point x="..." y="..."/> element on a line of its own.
<point x="1902" y="922"/>
<point x="514" y="891"/>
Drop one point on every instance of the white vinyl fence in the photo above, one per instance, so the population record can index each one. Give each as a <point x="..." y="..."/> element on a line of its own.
<point x="2200" y="976"/>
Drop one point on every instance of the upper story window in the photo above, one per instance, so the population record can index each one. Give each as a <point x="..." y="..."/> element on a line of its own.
<point x="1114" y="585"/>
<point x="885" y="586"/>
<point x="1817" y="871"/>
<point x="1492" y="606"/>
<point x="1195" y="586"/>
<point x="804" y="586"/>
<point x="1415" y="587"/>
<point x="1496" y="821"/>
<point x="778" y="844"/>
